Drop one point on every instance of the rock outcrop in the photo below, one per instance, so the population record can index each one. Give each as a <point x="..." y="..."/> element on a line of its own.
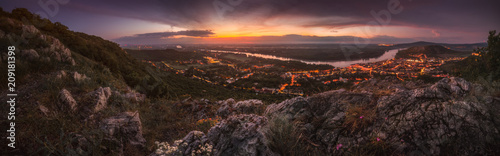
<point x="30" y="34"/>
<point x="67" y="99"/>
<point x="237" y="135"/>
<point x="100" y="96"/>
<point x="125" y="129"/>
<point x="231" y="107"/>
<point x="240" y="135"/>
<point x="57" y="50"/>
<point x="438" y="116"/>
<point x="377" y="117"/>
<point x="29" y="31"/>
<point x="434" y="120"/>
<point x="133" y="95"/>
<point x="195" y="143"/>
<point x="79" y="77"/>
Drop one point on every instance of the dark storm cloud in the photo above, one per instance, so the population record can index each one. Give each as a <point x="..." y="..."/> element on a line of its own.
<point x="163" y="35"/>
<point x="193" y="33"/>
<point x="186" y="14"/>
<point x="194" y="14"/>
<point x="461" y="16"/>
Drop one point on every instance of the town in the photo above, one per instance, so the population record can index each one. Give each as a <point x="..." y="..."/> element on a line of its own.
<point x="267" y="76"/>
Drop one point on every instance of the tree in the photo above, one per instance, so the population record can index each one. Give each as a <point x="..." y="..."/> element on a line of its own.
<point x="487" y="65"/>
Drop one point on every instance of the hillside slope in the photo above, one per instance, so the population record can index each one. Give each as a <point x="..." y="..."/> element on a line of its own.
<point x="71" y="85"/>
<point x="430" y="51"/>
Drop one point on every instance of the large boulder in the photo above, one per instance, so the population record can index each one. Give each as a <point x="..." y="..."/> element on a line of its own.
<point x="194" y="143"/>
<point x="125" y="129"/>
<point x="239" y="135"/>
<point x="445" y="88"/>
<point x="248" y="106"/>
<point x="226" y="107"/>
<point x="231" y="107"/>
<point x="100" y="96"/>
<point x="291" y="109"/>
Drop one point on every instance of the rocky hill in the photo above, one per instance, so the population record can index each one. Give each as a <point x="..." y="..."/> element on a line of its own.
<point x="88" y="91"/>
<point x="450" y="117"/>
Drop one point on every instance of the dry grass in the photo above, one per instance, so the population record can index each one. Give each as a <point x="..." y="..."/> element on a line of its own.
<point x="382" y="92"/>
<point x="285" y="138"/>
<point x="359" y="117"/>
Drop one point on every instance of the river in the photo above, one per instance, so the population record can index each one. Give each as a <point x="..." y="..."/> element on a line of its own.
<point x="390" y="54"/>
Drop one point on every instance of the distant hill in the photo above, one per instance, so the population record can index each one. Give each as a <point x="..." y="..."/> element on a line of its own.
<point x="419" y="43"/>
<point x="457" y="47"/>
<point x="430" y="51"/>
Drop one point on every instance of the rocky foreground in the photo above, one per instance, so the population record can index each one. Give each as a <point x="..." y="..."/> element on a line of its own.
<point x="448" y="117"/>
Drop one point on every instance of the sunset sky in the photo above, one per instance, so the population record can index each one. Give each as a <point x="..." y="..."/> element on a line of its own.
<point x="273" y="21"/>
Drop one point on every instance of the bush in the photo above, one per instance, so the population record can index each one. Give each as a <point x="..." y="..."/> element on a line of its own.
<point x="487" y="64"/>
